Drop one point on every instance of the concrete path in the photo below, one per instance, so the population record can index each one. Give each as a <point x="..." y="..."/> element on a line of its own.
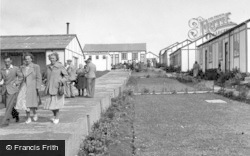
<point x="76" y="118"/>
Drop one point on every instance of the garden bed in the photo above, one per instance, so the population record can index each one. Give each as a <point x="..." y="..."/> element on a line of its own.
<point x="113" y="134"/>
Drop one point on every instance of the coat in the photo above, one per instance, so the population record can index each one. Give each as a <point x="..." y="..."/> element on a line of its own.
<point x="55" y="75"/>
<point x="71" y="72"/>
<point x="90" y="70"/>
<point x="33" y="81"/>
<point x="12" y="80"/>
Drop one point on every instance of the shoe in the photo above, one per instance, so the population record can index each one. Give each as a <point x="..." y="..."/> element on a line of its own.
<point x="56" y="121"/>
<point x="28" y="121"/>
<point x="35" y="118"/>
<point x="52" y="119"/>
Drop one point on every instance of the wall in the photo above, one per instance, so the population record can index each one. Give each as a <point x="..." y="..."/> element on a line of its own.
<point x="233" y="61"/>
<point x="72" y="51"/>
<point x="101" y="64"/>
<point x="248" y="46"/>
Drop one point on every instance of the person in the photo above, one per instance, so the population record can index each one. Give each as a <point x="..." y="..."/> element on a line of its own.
<point x="219" y="72"/>
<point x="196" y="68"/>
<point x="90" y="75"/>
<point x="56" y="76"/>
<point x="81" y="79"/>
<point x="72" y="78"/>
<point x="12" y="78"/>
<point x="28" y="97"/>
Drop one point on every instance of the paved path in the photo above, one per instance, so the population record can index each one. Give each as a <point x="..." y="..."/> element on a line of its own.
<point x="74" y="118"/>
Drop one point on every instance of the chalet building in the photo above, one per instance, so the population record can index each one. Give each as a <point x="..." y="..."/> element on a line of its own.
<point x="67" y="46"/>
<point x="185" y="56"/>
<point x="172" y="48"/>
<point x="152" y="56"/>
<point x="229" y="49"/>
<point x="106" y="55"/>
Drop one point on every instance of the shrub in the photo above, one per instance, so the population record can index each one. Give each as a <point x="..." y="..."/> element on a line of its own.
<point x="171" y="68"/>
<point x="211" y="74"/>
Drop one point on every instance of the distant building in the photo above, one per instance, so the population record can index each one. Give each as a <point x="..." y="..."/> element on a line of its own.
<point x="106" y="55"/>
<point x="185" y="56"/>
<point x="165" y="55"/>
<point x="230" y="49"/>
<point x="152" y="56"/>
<point x="67" y="46"/>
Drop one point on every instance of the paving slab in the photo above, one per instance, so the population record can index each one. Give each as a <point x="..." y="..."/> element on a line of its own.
<point x="76" y="117"/>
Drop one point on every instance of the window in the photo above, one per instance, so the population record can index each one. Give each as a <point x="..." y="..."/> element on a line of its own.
<point x="210" y="51"/>
<point x="97" y="57"/>
<point x="104" y="57"/>
<point x="134" y="56"/>
<point x="124" y="56"/>
<point x="221" y="50"/>
<point x="236" y="44"/>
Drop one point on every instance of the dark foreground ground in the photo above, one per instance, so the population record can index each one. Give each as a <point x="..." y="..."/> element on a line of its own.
<point x="186" y="125"/>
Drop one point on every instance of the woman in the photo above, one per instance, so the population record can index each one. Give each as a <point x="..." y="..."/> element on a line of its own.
<point x="28" y="97"/>
<point x="56" y="76"/>
<point x="81" y="79"/>
<point x="196" y="68"/>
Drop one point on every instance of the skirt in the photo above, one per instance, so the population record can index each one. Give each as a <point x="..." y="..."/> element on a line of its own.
<point x="21" y="99"/>
<point x="54" y="102"/>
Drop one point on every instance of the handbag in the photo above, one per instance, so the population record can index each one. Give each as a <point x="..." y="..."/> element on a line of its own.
<point x="61" y="90"/>
<point x="39" y="98"/>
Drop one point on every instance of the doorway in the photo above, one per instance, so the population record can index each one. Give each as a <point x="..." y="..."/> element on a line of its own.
<point x="227" y="60"/>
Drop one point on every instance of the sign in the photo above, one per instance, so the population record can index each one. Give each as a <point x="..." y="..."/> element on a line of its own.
<point x="215" y="25"/>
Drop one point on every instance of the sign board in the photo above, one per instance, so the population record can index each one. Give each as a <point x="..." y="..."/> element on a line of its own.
<point x="215" y="25"/>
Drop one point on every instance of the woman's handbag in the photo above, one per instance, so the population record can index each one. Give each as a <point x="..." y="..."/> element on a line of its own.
<point x="61" y="90"/>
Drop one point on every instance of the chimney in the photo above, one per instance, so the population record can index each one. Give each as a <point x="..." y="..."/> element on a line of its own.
<point x="67" y="27"/>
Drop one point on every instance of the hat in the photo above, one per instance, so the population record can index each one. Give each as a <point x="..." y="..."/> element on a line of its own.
<point x="69" y="60"/>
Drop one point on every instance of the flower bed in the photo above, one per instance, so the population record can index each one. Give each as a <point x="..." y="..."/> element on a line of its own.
<point x="113" y="133"/>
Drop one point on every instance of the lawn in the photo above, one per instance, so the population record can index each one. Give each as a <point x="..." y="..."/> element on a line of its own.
<point x="101" y="73"/>
<point x="187" y="125"/>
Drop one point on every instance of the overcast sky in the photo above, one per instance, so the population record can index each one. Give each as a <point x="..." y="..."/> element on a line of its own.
<point x="158" y="23"/>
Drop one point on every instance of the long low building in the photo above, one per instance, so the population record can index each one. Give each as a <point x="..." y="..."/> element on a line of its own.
<point x="66" y="45"/>
<point x="106" y="55"/>
<point x="229" y="49"/>
<point x="185" y="56"/>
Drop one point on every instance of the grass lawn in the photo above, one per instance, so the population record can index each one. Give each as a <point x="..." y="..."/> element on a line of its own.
<point x="187" y="125"/>
<point x="101" y="73"/>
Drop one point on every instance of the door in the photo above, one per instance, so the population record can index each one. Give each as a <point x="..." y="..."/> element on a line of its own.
<point x="116" y="58"/>
<point x="226" y="57"/>
<point x="206" y="60"/>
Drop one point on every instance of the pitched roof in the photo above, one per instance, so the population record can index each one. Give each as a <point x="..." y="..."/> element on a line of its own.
<point x="114" y="47"/>
<point x="152" y="53"/>
<point x="227" y="31"/>
<point x="35" y="41"/>
<point x="193" y="42"/>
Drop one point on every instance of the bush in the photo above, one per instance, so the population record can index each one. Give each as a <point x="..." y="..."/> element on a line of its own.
<point x="211" y="74"/>
<point x="171" y="68"/>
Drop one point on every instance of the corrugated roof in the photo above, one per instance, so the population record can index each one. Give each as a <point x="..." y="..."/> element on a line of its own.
<point x="35" y="42"/>
<point x="114" y="47"/>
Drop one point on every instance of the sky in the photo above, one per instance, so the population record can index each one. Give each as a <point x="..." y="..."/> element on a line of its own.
<point x="159" y="23"/>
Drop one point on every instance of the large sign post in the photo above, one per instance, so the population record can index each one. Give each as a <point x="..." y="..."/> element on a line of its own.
<point x="215" y="25"/>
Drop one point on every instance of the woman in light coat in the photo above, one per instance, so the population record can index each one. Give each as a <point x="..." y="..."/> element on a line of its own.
<point x="56" y="75"/>
<point x="28" y="97"/>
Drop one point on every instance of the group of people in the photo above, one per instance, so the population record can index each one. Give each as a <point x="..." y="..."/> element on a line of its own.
<point x="21" y="86"/>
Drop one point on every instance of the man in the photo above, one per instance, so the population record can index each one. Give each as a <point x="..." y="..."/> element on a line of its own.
<point x="12" y="77"/>
<point x="72" y="77"/>
<point x="90" y="75"/>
